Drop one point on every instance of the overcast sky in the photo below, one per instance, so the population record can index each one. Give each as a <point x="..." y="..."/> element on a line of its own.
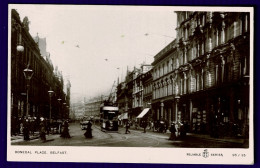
<point x="94" y="45"/>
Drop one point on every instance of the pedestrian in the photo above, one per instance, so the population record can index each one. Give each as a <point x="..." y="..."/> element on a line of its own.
<point x="135" y="124"/>
<point x="152" y="126"/>
<point x="144" y="125"/>
<point x="42" y="132"/>
<point x="127" y="126"/>
<point x="88" y="133"/>
<point x="26" y="130"/>
<point x="166" y="125"/>
<point x="65" y="133"/>
<point x="21" y="127"/>
<point x="173" y="131"/>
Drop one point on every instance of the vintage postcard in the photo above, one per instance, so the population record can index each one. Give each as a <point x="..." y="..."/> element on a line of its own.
<point x="130" y="84"/>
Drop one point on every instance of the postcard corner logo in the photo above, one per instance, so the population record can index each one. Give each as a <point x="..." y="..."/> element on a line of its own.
<point x="205" y="153"/>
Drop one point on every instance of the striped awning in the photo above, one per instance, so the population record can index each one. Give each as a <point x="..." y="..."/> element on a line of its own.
<point x="141" y="115"/>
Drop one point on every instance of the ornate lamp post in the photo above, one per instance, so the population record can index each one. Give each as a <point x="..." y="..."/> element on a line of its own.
<point x="28" y="73"/>
<point x="50" y="94"/>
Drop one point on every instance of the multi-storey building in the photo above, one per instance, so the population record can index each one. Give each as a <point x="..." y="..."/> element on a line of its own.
<point x="164" y="83"/>
<point x="202" y="77"/>
<point x="138" y="90"/>
<point x="122" y="101"/>
<point x="26" y="53"/>
<point x="92" y="108"/>
<point x="147" y="93"/>
<point x="137" y="104"/>
<point x="213" y="70"/>
<point x="129" y="93"/>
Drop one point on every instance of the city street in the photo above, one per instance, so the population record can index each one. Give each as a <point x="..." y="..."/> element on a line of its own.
<point x="134" y="139"/>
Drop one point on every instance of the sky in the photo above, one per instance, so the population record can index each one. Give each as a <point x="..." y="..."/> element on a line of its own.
<point x="93" y="46"/>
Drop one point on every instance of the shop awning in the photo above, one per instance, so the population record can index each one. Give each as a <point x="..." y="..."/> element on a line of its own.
<point x="123" y="116"/>
<point x="143" y="113"/>
<point x="119" y="117"/>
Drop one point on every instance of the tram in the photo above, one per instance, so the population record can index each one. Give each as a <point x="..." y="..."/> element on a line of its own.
<point x="108" y="117"/>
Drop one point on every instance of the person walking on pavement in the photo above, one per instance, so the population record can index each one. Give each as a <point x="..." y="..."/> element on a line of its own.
<point x="127" y="126"/>
<point x="26" y="130"/>
<point x="173" y="131"/>
<point x="144" y="125"/>
<point x="65" y="133"/>
<point x="88" y="133"/>
<point x="42" y="131"/>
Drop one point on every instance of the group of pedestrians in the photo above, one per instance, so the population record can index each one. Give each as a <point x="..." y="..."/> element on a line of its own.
<point x="24" y="125"/>
<point x="177" y="130"/>
<point x="64" y="133"/>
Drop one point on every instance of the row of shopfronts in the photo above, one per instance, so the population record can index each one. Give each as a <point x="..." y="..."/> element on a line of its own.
<point x="221" y="111"/>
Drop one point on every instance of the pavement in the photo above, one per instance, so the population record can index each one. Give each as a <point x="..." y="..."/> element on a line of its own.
<point x="35" y="136"/>
<point x="237" y="140"/>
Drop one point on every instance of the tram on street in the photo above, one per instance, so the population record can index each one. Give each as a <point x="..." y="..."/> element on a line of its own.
<point x="108" y="117"/>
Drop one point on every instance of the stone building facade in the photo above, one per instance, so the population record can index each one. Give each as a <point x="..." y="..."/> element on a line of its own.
<point x="213" y="74"/>
<point x="164" y="85"/>
<point x="202" y="77"/>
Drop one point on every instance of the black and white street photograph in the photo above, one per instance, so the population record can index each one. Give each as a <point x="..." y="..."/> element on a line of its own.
<point x="133" y="84"/>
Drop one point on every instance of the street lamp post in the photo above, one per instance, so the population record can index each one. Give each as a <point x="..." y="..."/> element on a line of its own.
<point x="28" y="73"/>
<point x="50" y="94"/>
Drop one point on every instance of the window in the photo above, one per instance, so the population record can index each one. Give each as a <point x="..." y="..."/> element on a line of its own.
<point x="176" y="88"/>
<point x="166" y="88"/>
<point x="186" y="33"/>
<point x="216" y="37"/>
<point x="177" y="63"/>
<point x="168" y="67"/>
<point x="202" y="79"/>
<point x="246" y="22"/>
<point x="181" y="84"/>
<point x="244" y="66"/>
<point x="227" y="72"/>
<point x="185" y="55"/>
<point x="161" y="74"/>
<point x="218" y="74"/>
<point x="202" y="48"/>
<point x="165" y="68"/>
<point x="198" y="50"/>
<point x="154" y="93"/>
<point x="198" y="82"/>
<point x="169" y="87"/>
<point x="173" y="86"/>
<point x="209" y="79"/>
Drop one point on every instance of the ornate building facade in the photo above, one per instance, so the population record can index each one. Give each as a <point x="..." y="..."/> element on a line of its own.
<point x="214" y="70"/>
<point x="202" y="77"/>
<point x="164" y="85"/>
